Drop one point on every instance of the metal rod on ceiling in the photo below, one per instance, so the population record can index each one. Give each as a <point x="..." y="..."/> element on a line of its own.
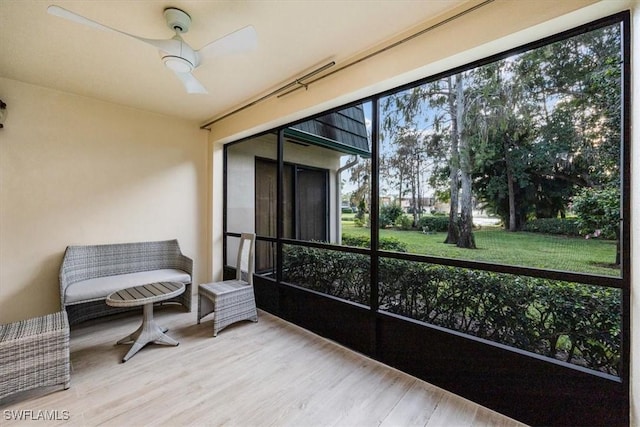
<point x="393" y="45"/>
<point x="297" y="81"/>
<point x="350" y="64"/>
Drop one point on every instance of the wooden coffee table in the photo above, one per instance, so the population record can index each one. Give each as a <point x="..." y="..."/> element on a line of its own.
<point x="146" y="295"/>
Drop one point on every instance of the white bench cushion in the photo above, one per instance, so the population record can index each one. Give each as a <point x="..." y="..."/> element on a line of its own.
<point x="100" y="287"/>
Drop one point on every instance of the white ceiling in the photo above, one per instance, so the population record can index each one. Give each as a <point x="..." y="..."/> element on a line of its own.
<point x="294" y="37"/>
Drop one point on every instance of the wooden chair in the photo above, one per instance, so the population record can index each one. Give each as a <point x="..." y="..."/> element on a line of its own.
<point x="231" y="300"/>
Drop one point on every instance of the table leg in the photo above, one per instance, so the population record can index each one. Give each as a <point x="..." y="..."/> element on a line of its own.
<point x="148" y="332"/>
<point x="131" y="337"/>
<point x="134" y="336"/>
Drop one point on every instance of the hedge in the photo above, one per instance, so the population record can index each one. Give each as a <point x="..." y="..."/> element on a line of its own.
<point x="572" y="322"/>
<point x="341" y="274"/>
<point x="434" y="223"/>
<point x="385" y="243"/>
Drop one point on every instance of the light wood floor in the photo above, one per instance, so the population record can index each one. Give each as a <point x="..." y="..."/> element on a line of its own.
<point x="269" y="373"/>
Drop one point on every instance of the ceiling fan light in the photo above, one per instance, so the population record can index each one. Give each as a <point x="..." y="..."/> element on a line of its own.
<point x="177" y="64"/>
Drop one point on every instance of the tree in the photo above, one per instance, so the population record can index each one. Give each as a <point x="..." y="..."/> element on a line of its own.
<point x="359" y="175"/>
<point x="409" y="160"/>
<point x="412" y="146"/>
<point x="520" y="136"/>
<point x="505" y="130"/>
<point x="598" y="212"/>
<point x="553" y="126"/>
<point x="441" y="106"/>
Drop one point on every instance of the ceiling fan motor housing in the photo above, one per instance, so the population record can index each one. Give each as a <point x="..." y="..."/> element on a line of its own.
<point x="178" y="20"/>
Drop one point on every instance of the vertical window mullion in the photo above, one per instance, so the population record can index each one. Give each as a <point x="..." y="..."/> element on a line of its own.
<point x="295" y="217"/>
<point x="374" y="208"/>
<point x="225" y="160"/>
<point x="374" y="222"/>
<point x="279" y="205"/>
<point x="625" y="221"/>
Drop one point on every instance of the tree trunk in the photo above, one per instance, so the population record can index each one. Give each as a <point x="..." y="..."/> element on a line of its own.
<point x="454" y="185"/>
<point x="413" y="197"/>
<point x="452" y="230"/>
<point x="466" y="238"/>
<point x="418" y="191"/>
<point x="401" y="182"/>
<point x="511" y="187"/>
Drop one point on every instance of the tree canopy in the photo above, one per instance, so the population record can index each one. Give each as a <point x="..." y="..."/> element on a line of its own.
<point x="520" y="137"/>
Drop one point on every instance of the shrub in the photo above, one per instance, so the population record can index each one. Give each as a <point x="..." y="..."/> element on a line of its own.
<point x="434" y="223"/>
<point x="388" y="215"/>
<point x="386" y="243"/>
<point x="576" y="323"/>
<point x="404" y="222"/>
<point x="598" y="210"/>
<point x="392" y="244"/>
<point x="357" y="241"/>
<point x="572" y="322"/>
<point x="565" y="227"/>
<point x="340" y="274"/>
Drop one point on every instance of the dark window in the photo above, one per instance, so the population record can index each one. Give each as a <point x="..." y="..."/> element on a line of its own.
<point x="305" y="208"/>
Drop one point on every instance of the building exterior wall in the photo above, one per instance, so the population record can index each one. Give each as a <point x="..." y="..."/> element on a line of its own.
<point x="241" y="179"/>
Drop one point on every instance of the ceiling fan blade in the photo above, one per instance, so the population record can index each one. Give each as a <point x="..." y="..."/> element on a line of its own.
<point x="242" y="40"/>
<point x="170" y="46"/>
<point x="191" y="84"/>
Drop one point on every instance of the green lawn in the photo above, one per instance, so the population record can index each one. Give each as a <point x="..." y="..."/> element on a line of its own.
<point x="524" y="249"/>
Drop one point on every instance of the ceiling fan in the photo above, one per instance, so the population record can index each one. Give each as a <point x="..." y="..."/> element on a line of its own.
<point x="176" y="54"/>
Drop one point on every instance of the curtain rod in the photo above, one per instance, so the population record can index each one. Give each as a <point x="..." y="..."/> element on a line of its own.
<point x="297" y="84"/>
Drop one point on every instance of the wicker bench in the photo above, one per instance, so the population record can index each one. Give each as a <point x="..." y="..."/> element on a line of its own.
<point x="34" y="353"/>
<point x="89" y="273"/>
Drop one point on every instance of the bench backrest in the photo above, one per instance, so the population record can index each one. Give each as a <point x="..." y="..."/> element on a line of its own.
<point x="88" y="262"/>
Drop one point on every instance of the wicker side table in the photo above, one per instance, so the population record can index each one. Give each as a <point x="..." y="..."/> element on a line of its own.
<point x="34" y="353"/>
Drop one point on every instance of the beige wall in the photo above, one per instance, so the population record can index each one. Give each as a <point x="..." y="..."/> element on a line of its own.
<point x="79" y="171"/>
<point x="241" y="179"/>
<point x="501" y="25"/>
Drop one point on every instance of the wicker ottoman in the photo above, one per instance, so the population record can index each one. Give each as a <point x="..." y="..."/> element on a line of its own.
<point x="34" y="353"/>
